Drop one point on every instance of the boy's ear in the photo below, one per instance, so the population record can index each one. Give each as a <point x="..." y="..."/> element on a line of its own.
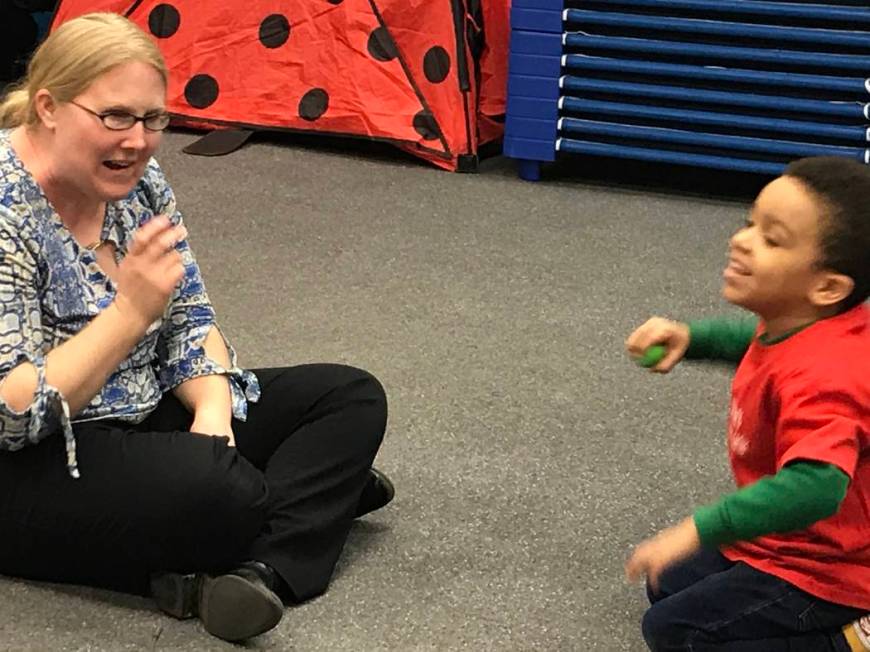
<point x="831" y="289"/>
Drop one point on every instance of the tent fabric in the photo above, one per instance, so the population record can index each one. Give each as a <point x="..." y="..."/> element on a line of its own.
<point x="427" y="75"/>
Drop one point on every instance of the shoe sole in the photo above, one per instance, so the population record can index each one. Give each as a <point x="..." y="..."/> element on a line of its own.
<point x="234" y="609"/>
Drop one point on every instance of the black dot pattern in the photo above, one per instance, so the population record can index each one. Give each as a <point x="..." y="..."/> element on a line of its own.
<point x="313" y="104"/>
<point x="425" y="125"/>
<point x="274" y="31"/>
<point x="335" y="2"/>
<point x="381" y="45"/>
<point x="163" y="21"/>
<point x="436" y="64"/>
<point x="201" y="91"/>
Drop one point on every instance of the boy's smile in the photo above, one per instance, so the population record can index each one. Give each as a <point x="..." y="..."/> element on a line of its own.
<point x="773" y="260"/>
<point x="735" y="269"/>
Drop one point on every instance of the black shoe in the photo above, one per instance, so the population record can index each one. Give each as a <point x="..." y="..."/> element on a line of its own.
<point x="234" y="606"/>
<point x="267" y="575"/>
<point x="377" y="493"/>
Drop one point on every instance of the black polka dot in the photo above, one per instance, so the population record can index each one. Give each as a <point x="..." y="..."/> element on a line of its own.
<point x="381" y="45"/>
<point x="334" y="2"/>
<point x="274" y="31"/>
<point x="425" y="125"/>
<point x="163" y="21"/>
<point x="436" y="64"/>
<point x="313" y="104"/>
<point x="201" y="91"/>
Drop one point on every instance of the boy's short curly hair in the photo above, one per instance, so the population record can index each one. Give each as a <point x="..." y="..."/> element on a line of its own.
<point x="843" y="186"/>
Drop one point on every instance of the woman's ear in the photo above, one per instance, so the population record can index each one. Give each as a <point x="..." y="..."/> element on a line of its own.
<point x="45" y="108"/>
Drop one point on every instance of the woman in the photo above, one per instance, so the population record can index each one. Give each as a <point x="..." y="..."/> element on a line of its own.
<point x="134" y="453"/>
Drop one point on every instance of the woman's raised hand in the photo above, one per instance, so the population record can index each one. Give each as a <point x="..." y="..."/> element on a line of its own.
<point x="150" y="271"/>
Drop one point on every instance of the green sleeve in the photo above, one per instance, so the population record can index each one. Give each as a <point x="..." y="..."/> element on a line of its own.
<point x="793" y="499"/>
<point x="721" y="338"/>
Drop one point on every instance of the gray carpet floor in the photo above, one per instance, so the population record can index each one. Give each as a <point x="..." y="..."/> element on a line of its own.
<point x="529" y="453"/>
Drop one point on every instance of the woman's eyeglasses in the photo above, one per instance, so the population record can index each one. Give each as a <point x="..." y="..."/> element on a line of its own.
<point x="121" y="120"/>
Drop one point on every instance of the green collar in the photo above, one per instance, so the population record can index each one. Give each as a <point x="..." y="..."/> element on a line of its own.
<point x="767" y="340"/>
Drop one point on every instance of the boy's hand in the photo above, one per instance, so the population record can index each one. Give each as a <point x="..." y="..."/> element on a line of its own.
<point x="673" y="335"/>
<point x="667" y="548"/>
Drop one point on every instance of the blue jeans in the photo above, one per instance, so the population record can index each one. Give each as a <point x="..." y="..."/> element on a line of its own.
<point x="709" y="603"/>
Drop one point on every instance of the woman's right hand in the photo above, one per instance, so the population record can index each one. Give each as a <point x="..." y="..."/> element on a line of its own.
<point x="150" y="271"/>
<point x="673" y="335"/>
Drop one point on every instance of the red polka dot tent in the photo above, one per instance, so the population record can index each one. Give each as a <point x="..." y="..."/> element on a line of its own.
<point x="417" y="73"/>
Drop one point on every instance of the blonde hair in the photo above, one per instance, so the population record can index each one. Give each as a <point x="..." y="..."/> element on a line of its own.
<point x="72" y="57"/>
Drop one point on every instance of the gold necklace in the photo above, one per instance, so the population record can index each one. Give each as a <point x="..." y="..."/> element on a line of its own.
<point x="95" y="245"/>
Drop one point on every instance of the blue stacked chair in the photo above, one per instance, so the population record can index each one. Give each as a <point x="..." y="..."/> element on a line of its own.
<point x="744" y="85"/>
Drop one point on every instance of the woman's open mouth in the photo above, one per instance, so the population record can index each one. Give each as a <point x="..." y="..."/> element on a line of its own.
<point x="119" y="165"/>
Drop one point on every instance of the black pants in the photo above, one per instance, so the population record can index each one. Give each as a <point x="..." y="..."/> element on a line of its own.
<point x="709" y="603"/>
<point x="155" y="497"/>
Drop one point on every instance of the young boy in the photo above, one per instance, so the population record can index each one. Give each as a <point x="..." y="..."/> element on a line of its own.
<point x="783" y="563"/>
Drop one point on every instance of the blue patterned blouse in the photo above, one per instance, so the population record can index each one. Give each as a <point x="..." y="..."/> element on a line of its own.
<point x="50" y="289"/>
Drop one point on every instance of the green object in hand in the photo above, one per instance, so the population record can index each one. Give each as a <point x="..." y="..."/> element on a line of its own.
<point x="652" y="356"/>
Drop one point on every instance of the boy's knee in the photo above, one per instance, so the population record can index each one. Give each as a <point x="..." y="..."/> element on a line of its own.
<point x="660" y="628"/>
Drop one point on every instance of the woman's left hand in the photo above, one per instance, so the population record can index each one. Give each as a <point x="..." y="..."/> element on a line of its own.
<point x="668" y="547"/>
<point x="206" y="422"/>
